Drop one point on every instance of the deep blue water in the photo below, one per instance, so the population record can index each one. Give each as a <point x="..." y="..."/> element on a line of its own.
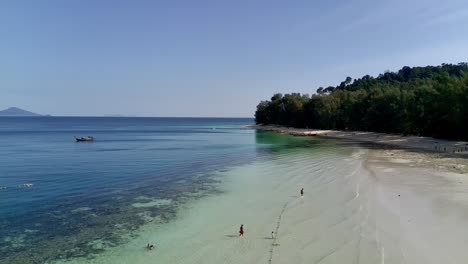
<point x="164" y="158"/>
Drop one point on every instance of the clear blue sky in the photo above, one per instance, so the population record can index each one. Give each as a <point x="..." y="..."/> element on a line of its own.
<point x="209" y="58"/>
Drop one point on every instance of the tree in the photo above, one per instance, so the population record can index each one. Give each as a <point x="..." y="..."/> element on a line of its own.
<point x="430" y="101"/>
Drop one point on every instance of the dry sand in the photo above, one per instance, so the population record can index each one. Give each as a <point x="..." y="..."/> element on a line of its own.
<point x="427" y="198"/>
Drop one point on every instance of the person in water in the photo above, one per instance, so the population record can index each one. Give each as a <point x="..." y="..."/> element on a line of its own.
<point x="241" y="231"/>
<point x="150" y="247"/>
<point x="302" y="192"/>
<point x="272" y="235"/>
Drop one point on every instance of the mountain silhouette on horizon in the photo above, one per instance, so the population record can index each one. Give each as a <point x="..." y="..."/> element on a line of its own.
<point x="15" y="111"/>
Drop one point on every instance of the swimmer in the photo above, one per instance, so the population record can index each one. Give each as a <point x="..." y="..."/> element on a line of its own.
<point x="150" y="246"/>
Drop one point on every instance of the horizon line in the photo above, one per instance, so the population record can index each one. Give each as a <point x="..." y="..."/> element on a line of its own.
<point x="103" y="116"/>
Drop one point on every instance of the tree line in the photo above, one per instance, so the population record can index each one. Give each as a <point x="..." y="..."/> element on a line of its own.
<point x="428" y="101"/>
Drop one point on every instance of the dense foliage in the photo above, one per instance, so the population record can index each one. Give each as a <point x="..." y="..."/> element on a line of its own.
<point x="429" y="101"/>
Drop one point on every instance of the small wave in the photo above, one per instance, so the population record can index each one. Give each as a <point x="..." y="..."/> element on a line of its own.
<point x="112" y="149"/>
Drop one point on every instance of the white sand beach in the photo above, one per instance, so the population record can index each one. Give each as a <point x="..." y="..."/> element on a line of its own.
<point x="400" y="141"/>
<point x="360" y="206"/>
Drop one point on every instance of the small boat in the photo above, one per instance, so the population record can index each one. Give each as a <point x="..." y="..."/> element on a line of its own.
<point x="84" y="139"/>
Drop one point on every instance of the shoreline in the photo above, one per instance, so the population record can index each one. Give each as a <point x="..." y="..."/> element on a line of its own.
<point x="428" y="144"/>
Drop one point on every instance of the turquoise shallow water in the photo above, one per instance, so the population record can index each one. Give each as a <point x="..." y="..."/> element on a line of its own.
<point x="85" y="192"/>
<point x="262" y="194"/>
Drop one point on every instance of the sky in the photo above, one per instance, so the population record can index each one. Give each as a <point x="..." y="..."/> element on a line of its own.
<point x="209" y="58"/>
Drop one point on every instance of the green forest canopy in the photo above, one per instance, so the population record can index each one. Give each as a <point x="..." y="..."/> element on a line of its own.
<point x="428" y="101"/>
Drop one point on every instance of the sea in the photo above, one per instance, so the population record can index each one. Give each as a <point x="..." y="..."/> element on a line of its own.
<point x="56" y="193"/>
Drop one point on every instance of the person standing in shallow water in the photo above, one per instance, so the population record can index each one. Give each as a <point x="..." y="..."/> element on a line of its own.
<point x="302" y="192"/>
<point x="241" y="231"/>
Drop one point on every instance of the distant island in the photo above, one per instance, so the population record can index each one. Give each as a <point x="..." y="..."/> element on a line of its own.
<point x="114" y="115"/>
<point x="427" y="101"/>
<point x="15" y="111"/>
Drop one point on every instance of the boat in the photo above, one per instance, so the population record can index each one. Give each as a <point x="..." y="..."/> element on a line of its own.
<point x="84" y="139"/>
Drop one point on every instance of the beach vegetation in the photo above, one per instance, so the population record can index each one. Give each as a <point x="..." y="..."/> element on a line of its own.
<point x="427" y="101"/>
